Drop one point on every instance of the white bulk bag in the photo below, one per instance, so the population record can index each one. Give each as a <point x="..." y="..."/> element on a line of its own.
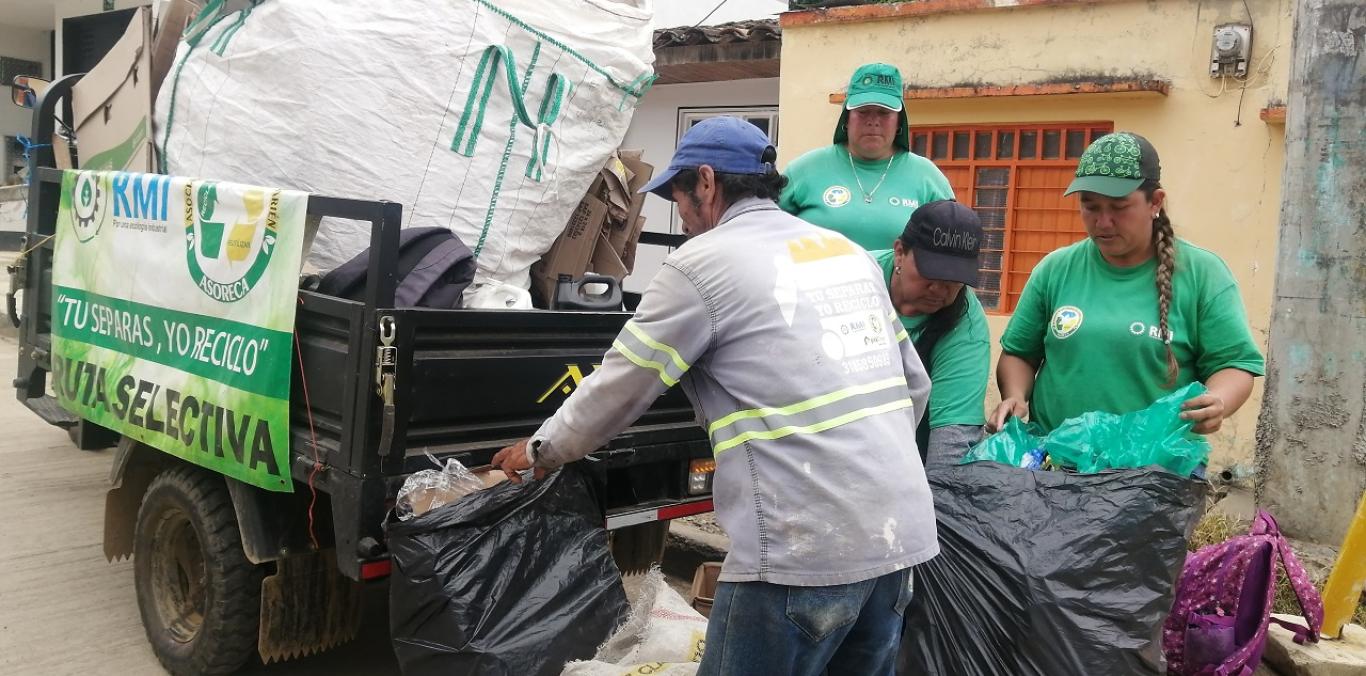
<point x="487" y="117"/>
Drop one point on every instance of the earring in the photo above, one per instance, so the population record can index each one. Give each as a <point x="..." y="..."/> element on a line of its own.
<point x="896" y="270"/>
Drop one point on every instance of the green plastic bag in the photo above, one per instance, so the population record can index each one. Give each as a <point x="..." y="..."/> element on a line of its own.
<point x="1096" y="441"/>
<point x="1011" y="446"/>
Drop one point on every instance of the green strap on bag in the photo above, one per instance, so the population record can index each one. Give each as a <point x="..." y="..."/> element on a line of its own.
<point x="496" y="63"/>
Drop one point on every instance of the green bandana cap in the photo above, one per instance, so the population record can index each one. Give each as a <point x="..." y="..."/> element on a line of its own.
<point x="1115" y="165"/>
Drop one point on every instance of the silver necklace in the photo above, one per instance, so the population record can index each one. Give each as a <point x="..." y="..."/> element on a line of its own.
<point x="868" y="196"/>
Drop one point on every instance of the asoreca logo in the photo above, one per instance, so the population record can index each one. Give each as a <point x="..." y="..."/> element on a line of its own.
<point x="1066" y="320"/>
<point x="836" y="196"/>
<point x="89" y="204"/>
<point x="229" y="241"/>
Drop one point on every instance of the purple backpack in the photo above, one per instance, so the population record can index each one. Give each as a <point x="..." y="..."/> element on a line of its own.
<point x="1219" y="621"/>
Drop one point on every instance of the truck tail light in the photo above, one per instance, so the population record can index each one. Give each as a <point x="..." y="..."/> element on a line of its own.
<point x="699" y="476"/>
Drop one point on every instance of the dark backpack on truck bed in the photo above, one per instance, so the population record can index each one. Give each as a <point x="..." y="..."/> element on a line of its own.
<point x="434" y="268"/>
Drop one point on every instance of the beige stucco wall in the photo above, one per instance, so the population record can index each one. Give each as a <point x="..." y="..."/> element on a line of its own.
<point x="1224" y="179"/>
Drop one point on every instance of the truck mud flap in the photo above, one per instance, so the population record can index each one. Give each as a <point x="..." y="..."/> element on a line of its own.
<point x="307" y="606"/>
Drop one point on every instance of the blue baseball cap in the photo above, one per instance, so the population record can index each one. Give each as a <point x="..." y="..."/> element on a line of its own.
<point x="729" y="145"/>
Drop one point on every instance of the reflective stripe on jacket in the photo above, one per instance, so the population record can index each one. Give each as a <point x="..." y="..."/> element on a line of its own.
<point x="783" y="337"/>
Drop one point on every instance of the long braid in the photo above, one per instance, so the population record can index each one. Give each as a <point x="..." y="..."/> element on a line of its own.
<point x="1164" y="241"/>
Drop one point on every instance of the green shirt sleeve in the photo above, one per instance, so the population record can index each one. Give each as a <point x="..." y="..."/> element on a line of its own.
<point x="787" y="201"/>
<point x="1225" y="339"/>
<point x="962" y="364"/>
<point x="791" y="200"/>
<point x="939" y="187"/>
<point x="1024" y="333"/>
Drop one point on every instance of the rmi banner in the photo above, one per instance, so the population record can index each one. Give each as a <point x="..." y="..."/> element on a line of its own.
<point x="173" y="315"/>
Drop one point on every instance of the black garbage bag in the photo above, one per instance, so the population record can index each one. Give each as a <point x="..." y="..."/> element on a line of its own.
<point x="513" y="580"/>
<point x="1049" y="573"/>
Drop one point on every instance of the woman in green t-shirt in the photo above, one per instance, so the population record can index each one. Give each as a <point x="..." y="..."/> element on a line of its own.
<point x="865" y="184"/>
<point x="1119" y="319"/>
<point x="928" y="271"/>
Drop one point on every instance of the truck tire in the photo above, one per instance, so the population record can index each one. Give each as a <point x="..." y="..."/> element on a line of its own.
<point x="199" y="597"/>
<point x="637" y="548"/>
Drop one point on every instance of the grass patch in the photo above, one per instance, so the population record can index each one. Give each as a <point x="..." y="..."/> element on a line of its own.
<point x="1214" y="527"/>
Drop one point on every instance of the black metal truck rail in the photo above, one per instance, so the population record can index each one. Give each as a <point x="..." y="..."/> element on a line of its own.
<point x="377" y="389"/>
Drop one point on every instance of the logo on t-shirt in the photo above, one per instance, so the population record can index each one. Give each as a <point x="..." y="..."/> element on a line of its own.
<point x="1153" y="331"/>
<point x="903" y="202"/>
<point x="836" y="196"/>
<point x="1066" y="320"/>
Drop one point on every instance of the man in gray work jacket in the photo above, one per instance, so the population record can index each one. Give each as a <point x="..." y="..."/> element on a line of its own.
<point x="784" y="339"/>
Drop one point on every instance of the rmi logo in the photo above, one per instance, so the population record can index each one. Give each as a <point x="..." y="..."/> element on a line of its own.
<point x="229" y="242"/>
<point x="141" y="197"/>
<point x="89" y="204"/>
<point x="567" y="382"/>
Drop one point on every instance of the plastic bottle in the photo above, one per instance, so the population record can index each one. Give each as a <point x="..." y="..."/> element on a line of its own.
<point x="1032" y="460"/>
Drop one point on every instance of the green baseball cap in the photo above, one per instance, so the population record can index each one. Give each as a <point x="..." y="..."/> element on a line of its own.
<point x="1115" y="165"/>
<point x="875" y="84"/>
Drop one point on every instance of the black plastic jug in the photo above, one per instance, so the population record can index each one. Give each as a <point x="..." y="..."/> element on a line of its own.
<point x="572" y="294"/>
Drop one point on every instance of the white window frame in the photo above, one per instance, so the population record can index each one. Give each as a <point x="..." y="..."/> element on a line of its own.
<point x="689" y="116"/>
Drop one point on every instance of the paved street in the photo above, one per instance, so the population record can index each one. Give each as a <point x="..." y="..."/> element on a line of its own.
<point x="63" y="608"/>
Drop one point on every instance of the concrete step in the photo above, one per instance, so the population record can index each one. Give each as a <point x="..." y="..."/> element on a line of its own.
<point x="1345" y="656"/>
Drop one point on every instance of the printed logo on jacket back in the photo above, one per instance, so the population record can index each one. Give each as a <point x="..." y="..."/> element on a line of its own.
<point x="830" y="277"/>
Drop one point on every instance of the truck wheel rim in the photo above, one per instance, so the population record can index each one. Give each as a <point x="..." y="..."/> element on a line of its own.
<point x="178" y="576"/>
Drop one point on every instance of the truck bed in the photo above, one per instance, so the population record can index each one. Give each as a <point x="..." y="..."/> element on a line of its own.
<point x="465" y="384"/>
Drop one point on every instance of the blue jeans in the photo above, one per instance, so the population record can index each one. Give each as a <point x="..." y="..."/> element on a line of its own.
<point x="762" y="629"/>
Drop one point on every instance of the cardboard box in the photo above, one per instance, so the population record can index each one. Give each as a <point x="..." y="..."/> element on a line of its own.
<point x="704" y="583"/>
<point x="168" y="30"/>
<point x="628" y="253"/>
<point x="572" y="252"/>
<point x="603" y="230"/>
<point x="112" y="104"/>
<point x="617" y="181"/>
<point x="606" y="261"/>
<point x="627" y="231"/>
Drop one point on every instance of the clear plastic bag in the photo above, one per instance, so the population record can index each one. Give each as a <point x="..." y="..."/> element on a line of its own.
<point x="428" y="489"/>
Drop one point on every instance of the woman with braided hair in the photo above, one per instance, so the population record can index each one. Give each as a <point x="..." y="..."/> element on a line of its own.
<point x="1119" y="319"/>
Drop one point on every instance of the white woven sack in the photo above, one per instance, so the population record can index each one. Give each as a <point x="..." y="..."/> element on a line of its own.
<point x="487" y="117"/>
<point x="664" y="635"/>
